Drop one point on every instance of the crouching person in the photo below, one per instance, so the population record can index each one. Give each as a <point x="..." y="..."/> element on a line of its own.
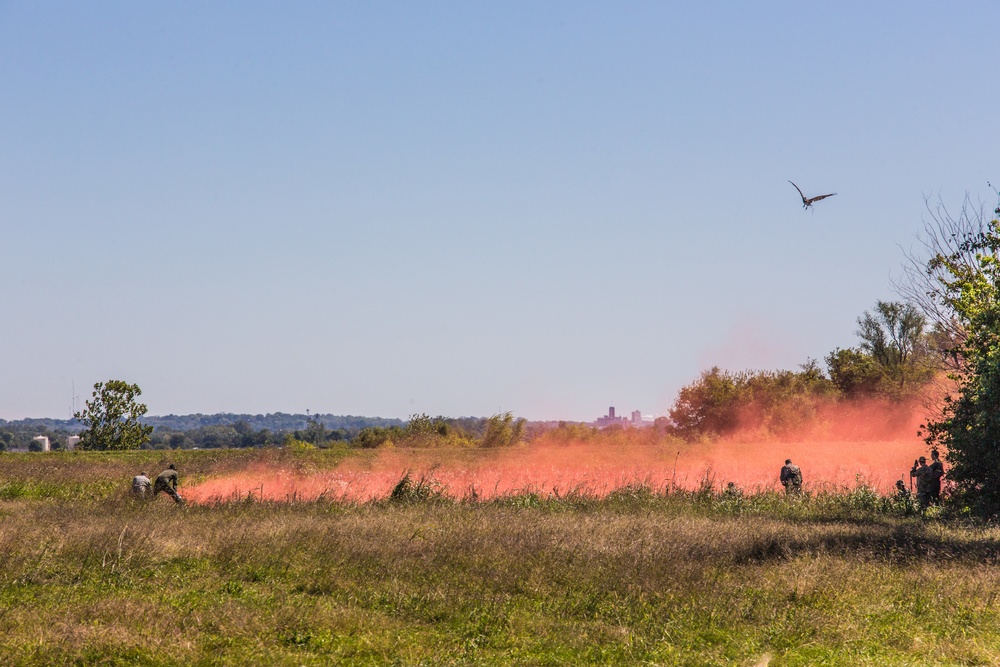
<point x="141" y="486"/>
<point x="166" y="481"/>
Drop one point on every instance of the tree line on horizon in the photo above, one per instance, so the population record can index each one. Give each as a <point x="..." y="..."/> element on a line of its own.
<point x="226" y="430"/>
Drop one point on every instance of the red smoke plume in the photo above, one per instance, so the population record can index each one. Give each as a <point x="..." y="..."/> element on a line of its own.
<point x="871" y="442"/>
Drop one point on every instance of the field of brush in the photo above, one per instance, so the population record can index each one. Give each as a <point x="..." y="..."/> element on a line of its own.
<point x="639" y="574"/>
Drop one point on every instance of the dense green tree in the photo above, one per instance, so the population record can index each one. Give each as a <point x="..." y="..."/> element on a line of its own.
<point x="720" y="402"/>
<point x="855" y="373"/>
<point x="969" y="426"/>
<point x="111" y="418"/>
<point x="894" y="357"/>
<point x="708" y="406"/>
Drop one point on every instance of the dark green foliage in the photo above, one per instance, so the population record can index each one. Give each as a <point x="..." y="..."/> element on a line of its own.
<point x="19" y="434"/>
<point x="407" y="490"/>
<point x="968" y="287"/>
<point x="893" y="362"/>
<point x="424" y="431"/>
<point x="375" y="436"/>
<point x="112" y="418"/>
<point x="970" y="423"/>
<point x="894" y="358"/>
<point x="777" y="401"/>
<point x="854" y="373"/>
<point x="315" y="433"/>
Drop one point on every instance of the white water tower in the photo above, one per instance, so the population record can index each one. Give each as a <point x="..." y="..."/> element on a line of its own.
<point x="43" y="441"/>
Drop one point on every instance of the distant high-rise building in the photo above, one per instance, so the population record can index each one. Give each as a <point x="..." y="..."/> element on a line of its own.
<point x="612" y="419"/>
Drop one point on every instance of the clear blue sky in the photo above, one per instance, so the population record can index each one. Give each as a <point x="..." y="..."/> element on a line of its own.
<point x="463" y="208"/>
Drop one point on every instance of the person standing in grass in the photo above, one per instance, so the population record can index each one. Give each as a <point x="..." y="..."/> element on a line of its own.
<point x="141" y="486"/>
<point x="922" y="472"/>
<point x="937" y="472"/>
<point x="791" y="477"/>
<point x="166" y="481"/>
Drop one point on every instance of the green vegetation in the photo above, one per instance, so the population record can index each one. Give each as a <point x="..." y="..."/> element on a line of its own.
<point x="968" y="287"/>
<point x="224" y="431"/>
<point x="111" y="418"/>
<point x="895" y="360"/>
<point x="421" y="431"/>
<point x="19" y="434"/>
<point x="721" y="402"/>
<point x="895" y="357"/>
<point x="643" y="576"/>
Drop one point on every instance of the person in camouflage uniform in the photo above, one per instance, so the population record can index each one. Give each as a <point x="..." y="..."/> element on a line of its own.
<point x="924" y="476"/>
<point x="937" y="472"/>
<point x="791" y="477"/>
<point x="166" y="481"/>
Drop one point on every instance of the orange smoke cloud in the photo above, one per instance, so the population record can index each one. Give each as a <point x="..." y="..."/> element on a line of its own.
<point x="832" y="420"/>
<point x="871" y="442"/>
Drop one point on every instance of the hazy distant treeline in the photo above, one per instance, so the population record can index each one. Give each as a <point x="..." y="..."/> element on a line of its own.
<point x="228" y="430"/>
<point x="275" y="421"/>
<point x="199" y="430"/>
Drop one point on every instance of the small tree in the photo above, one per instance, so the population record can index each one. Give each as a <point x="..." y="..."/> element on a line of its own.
<point x="893" y="360"/>
<point x="502" y="430"/>
<point x="112" y="416"/>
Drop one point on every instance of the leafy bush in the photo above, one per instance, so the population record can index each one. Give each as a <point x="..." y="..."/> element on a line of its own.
<point x="407" y="490"/>
<point x="721" y="402"/>
<point x="502" y="431"/>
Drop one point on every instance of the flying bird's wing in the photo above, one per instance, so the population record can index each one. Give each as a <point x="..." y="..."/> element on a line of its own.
<point x="812" y="199"/>
<point x="800" y="192"/>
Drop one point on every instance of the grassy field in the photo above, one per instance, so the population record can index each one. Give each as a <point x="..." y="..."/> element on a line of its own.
<point x="640" y="577"/>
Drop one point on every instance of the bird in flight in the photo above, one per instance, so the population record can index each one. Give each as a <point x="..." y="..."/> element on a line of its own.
<point x="809" y="201"/>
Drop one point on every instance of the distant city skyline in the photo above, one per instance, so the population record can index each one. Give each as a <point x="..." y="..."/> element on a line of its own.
<point x="465" y="209"/>
<point x="612" y="419"/>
